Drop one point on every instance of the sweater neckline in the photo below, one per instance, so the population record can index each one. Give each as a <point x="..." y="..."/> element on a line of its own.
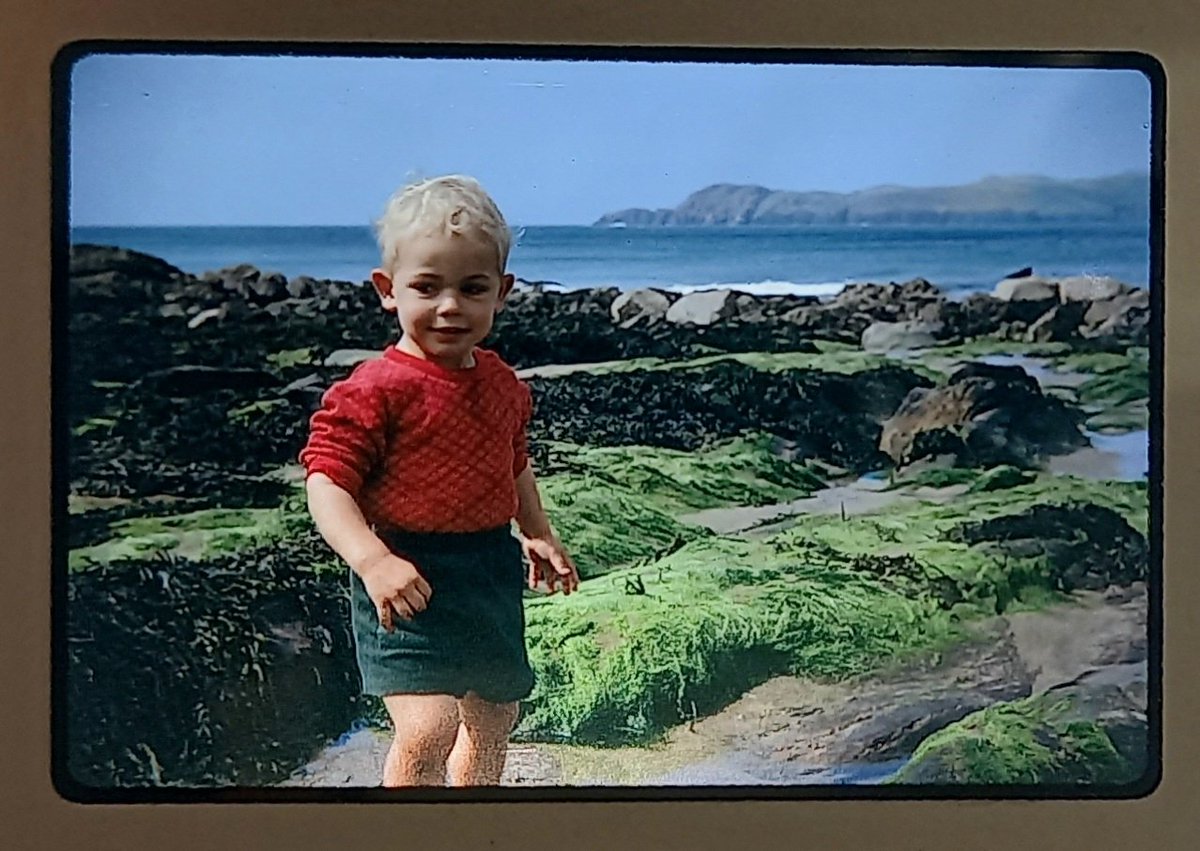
<point x="433" y="368"/>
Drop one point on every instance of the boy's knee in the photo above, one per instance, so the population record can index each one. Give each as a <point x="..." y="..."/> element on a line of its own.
<point x="423" y="727"/>
<point x="485" y="719"/>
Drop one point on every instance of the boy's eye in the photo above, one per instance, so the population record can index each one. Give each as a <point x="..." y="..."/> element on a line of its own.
<point x="423" y="287"/>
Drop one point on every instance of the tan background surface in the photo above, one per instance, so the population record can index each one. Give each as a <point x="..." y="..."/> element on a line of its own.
<point x="31" y="814"/>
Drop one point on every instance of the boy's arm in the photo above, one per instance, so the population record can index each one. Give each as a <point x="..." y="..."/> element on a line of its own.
<point x="531" y="517"/>
<point x="548" y="559"/>
<point x="341" y="523"/>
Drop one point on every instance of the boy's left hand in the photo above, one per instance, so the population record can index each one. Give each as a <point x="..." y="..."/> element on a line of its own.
<point x="549" y="561"/>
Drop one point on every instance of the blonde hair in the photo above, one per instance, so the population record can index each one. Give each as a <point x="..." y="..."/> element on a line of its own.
<point x="455" y="203"/>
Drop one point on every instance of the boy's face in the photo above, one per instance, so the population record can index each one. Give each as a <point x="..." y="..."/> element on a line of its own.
<point x="445" y="289"/>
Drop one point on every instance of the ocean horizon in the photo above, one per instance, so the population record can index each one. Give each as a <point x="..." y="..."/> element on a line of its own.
<point x="801" y="259"/>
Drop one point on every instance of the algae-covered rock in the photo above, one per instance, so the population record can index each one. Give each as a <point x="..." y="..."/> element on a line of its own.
<point x="712" y="618"/>
<point x="832" y="417"/>
<point x="1084" y="545"/>
<point x="1092" y="731"/>
<point x="185" y="673"/>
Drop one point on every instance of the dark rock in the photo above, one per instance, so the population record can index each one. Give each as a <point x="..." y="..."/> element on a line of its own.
<point x="828" y="416"/>
<point x="978" y="315"/>
<point x="1020" y="273"/>
<point x="237" y="641"/>
<point x="1123" y="319"/>
<point x="986" y="415"/>
<point x="1087" y="546"/>
<point x="267" y="289"/>
<point x="1059" y="324"/>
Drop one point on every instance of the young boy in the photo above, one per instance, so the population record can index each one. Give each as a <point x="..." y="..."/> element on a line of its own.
<point x="416" y="464"/>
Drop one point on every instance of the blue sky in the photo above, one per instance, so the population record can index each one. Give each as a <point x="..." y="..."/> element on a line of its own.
<point x="228" y="140"/>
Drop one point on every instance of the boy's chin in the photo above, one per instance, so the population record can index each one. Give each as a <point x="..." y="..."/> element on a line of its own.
<point x="449" y="348"/>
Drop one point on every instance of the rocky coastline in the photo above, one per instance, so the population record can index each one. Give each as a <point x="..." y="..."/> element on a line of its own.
<point x="187" y="398"/>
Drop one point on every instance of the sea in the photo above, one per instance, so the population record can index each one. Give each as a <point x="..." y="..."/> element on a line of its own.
<point x="807" y="260"/>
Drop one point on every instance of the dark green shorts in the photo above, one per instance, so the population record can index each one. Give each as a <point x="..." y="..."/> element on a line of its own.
<point x="471" y="636"/>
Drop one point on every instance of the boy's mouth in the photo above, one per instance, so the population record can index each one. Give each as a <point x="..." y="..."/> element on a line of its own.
<point x="452" y="332"/>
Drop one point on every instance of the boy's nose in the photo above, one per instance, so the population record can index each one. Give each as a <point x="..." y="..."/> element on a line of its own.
<point x="448" y="304"/>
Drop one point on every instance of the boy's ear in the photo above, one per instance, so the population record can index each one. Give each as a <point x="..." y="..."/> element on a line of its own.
<point x="506" y="285"/>
<point x="383" y="288"/>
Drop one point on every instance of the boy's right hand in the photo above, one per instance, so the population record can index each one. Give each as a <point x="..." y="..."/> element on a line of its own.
<point x="395" y="585"/>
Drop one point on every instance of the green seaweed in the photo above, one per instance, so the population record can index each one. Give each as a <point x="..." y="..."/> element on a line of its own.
<point x="1000" y="478"/>
<point x="195" y="535"/>
<point x="247" y="413"/>
<point x="941" y="477"/>
<point x="292" y="358"/>
<point x="828" y="358"/>
<point x="103" y="424"/>
<point x="605" y="525"/>
<point x="715" y="618"/>
<point x="743" y="471"/>
<point x="1030" y="741"/>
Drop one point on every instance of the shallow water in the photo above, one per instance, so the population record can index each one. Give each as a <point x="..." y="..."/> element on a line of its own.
<point x="1039" y="369"/>
<point x="1120" y="457"/>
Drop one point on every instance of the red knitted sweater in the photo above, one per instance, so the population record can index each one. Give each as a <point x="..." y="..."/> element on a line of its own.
<point x="422" y="447"/>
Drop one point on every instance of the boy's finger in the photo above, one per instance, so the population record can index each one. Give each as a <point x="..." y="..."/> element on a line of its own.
<point x="385" y="617"/>
<point x="422" y="587"/>
<point x="401" y="606"/>
<point x="415" y="601"/>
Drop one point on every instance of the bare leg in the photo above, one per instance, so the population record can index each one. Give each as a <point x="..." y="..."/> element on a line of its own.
<point x="425" y="726"/>
<point x="481" y="745"/>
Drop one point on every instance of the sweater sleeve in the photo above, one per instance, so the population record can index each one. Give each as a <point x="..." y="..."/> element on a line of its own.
<point x="347" y="434"/>
<point x="520" y="439"/>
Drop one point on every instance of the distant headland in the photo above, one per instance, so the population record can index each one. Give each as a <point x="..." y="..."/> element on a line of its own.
<point x="1119" y="198"/>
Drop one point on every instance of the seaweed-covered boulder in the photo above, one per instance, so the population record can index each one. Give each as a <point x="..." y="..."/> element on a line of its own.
<point x="1084" y="545"/>
<point x="984" y="415"/>
<point x="829" y="416"/>
<point x="1089" y="731"/>
<point x="977" y="315"/>
<point x="184" y="673"/>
